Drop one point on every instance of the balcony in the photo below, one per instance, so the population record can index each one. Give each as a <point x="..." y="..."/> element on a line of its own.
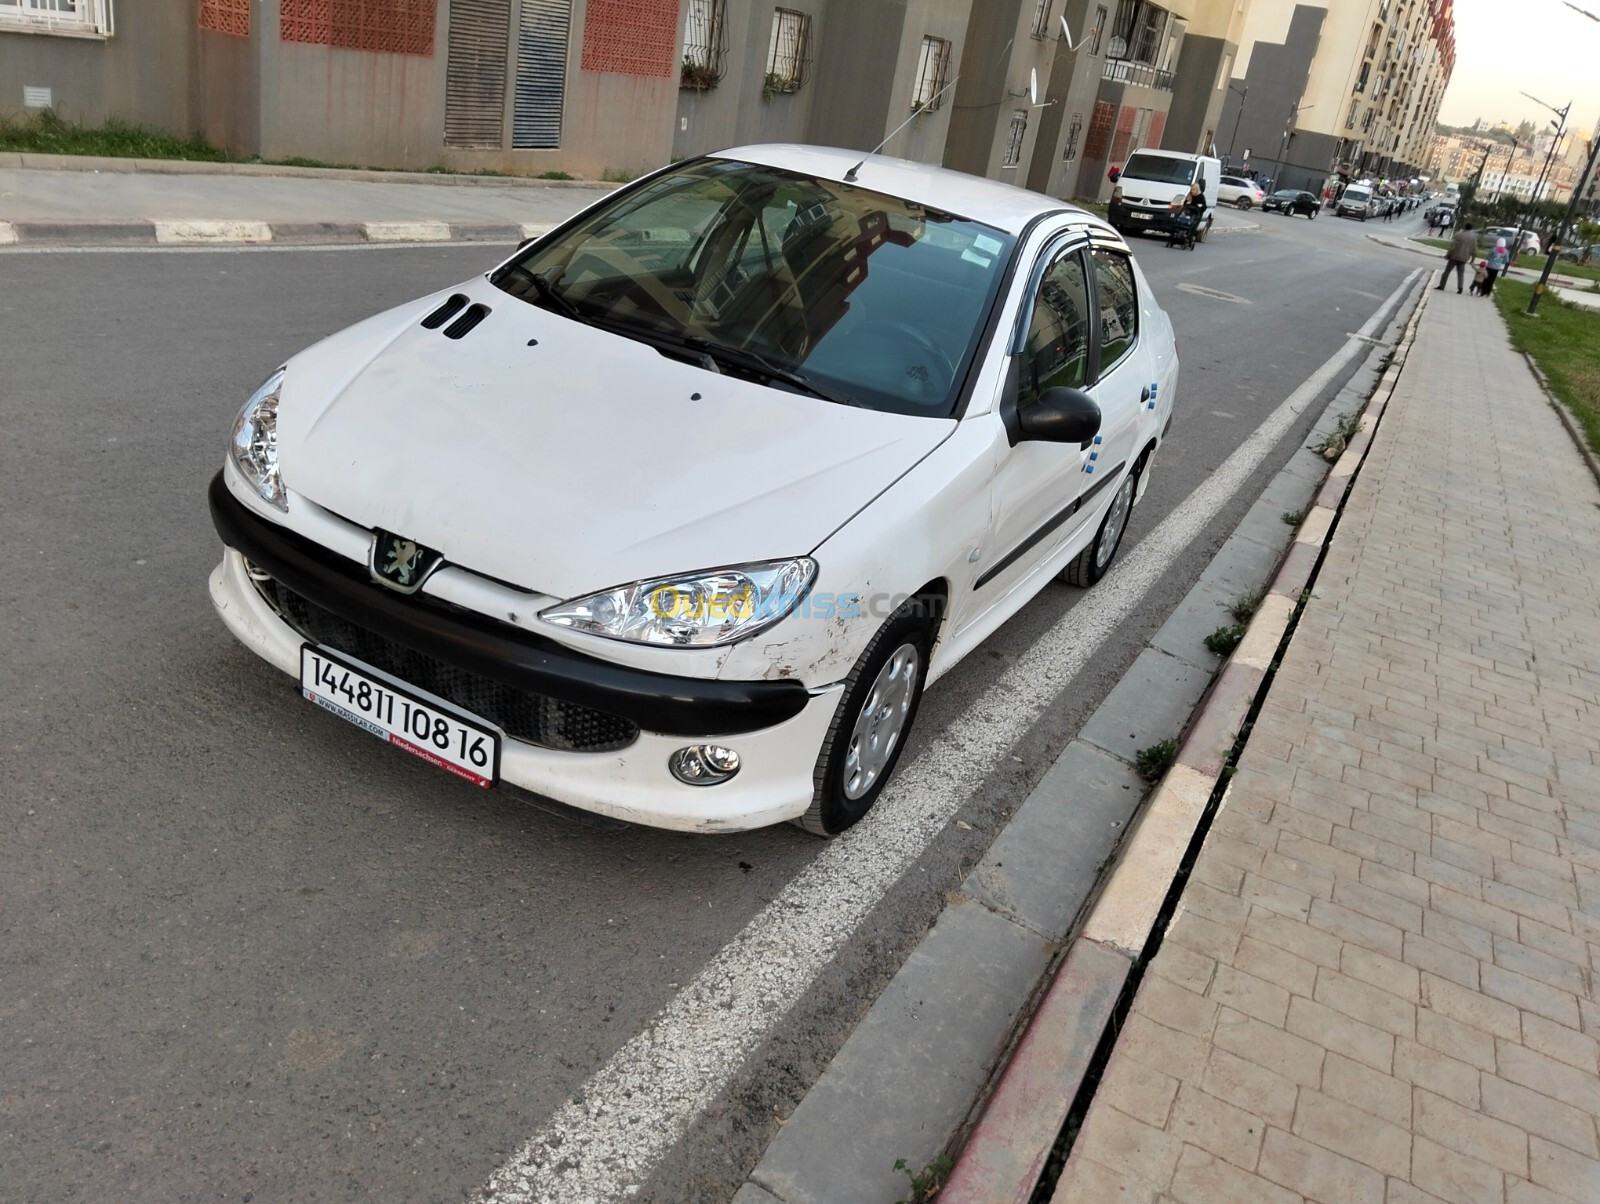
<point x="1140" y="75"/>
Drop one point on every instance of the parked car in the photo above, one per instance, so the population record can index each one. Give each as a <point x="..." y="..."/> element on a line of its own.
<point x="1530" y="239"/>
<point x="1239" y="191"/>
<point x="1289" y="201"/>
<point x="1356" y="201"/>
<point x="674" y="514"/>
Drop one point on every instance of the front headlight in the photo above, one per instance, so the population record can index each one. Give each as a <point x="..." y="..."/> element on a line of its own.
<point x="695" y="610"/>
<point x="255" y="442"/>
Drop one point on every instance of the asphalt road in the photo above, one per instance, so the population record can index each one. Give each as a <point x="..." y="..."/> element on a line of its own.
<point x="250" y="953"/>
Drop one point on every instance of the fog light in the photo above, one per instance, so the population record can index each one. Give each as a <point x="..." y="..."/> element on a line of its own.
<point x="703" y="764"/>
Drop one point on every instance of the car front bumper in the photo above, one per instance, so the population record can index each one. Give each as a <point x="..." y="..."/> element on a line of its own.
<point x="777" y="727"/>
<point x="1163" y="221"/>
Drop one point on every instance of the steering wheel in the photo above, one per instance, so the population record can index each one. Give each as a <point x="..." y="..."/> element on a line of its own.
<point x="931" y="378"/>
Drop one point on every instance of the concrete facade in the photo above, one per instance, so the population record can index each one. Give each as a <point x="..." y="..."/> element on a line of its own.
<point x="1323" y="89"/>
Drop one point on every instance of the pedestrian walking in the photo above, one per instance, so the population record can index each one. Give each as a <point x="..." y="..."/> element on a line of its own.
<point x="1497" y="262"/>
<point x="1463" y="247"/>
<point x="1480" y="279"/>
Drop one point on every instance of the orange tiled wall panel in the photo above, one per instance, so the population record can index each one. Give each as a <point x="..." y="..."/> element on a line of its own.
<point x="631" y="37"/>
<point x="226" y="16"/>
<point x="388" y="26"/>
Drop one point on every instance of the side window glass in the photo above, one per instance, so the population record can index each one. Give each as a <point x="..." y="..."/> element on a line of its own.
<point x="1119" y="307"/>
<point x="1056" y="354"/>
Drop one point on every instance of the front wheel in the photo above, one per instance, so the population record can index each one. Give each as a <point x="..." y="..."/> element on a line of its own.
<point x="869" y="729"/>
<point x="1091" y="564"/>
<point x="1200" y="234"/>
<point x="1312" y="215"/>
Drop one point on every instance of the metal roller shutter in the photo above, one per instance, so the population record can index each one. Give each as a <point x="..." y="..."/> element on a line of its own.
<point x="475" y="78"/>
<point x="542" y="36"/>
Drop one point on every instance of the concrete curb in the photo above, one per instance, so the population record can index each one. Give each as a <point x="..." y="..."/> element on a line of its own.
<point x="915" y="1070"/>
<point x="1016" y="1132"/>
<point x="199" y="167"/>
<point x="195" y="232"/>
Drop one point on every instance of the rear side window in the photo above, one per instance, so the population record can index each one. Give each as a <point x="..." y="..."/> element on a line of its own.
<point x="1119" y="307"/>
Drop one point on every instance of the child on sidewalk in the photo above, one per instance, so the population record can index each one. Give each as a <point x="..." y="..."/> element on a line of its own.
<point x="1480" y="279"/>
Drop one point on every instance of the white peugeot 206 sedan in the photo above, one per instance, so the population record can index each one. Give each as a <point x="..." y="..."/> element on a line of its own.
<point x="674" y="514"/>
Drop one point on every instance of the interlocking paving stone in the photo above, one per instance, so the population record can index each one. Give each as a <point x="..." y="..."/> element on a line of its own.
<point x="1379" y="984"/>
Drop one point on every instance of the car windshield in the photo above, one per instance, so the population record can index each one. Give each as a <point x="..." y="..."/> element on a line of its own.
<point x="802" y="283"/>
<point x="1288" y="194"/>
<point x="1159" y="169"/>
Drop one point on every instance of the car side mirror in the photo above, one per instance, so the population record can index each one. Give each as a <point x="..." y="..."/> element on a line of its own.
<point x="1060" y="415"/>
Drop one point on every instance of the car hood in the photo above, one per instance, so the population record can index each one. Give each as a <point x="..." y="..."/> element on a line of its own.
<point x="565" y="459"/>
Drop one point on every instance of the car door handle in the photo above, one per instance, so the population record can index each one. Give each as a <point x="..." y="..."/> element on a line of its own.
<point x="1144" y="394"/>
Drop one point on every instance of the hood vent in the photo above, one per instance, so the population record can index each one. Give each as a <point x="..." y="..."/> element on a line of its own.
<point x="474" y="315"/>
<point x="445" y="312"/>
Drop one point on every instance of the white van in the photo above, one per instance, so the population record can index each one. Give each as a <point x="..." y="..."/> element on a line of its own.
<point x="1154" y="184"/>
<point x="1357" y="201"/>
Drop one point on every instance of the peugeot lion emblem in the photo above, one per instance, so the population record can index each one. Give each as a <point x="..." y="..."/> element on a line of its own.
<point x="400" y="563"/>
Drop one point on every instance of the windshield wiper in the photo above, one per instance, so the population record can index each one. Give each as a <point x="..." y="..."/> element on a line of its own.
<point x="753" y="361"/>
<point x="552" y="298"/>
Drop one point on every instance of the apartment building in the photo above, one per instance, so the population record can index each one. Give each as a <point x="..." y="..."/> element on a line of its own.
<point x="588" y="87"/>
<point x="1347" y="89"/>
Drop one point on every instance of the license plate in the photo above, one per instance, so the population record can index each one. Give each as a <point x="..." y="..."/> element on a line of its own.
<point x="422" y="725"/>
<point x="1140" y="217"/>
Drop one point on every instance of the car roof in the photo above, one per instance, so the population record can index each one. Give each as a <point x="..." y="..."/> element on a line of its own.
<point x="1004" y="206"/>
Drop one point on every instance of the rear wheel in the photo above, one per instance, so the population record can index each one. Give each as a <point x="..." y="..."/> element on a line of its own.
<point x="1094" y="561"/>
<point x="1243" y="202"/>
<point x="869" y="729"/>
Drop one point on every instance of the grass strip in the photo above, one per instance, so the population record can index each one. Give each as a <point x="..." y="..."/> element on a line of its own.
<point x="1564" y="340"/>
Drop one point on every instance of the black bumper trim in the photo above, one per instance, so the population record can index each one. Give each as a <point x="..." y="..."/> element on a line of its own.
<point x="657" y="702"/>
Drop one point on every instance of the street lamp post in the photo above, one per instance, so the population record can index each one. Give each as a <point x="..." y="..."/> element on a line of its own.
<point x="1561" y="126"/>
<point x="1295" y="109"/>
<point x="1244" y="95"/>
<point x="1555" y="243"/>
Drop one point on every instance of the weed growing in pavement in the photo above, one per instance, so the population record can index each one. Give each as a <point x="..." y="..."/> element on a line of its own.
<point x="1333" y="444"/>
<point x="555" y="175"/>
<point x="1225" y="639"/>
<point x="1294" y="517"/>
<point x="1248" y="603"/>
<point x="1154" y="761"/>
<point x="926" y="1185"/>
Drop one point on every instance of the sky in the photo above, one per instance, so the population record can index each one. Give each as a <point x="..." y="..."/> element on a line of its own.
<point x="1537" y="46"/>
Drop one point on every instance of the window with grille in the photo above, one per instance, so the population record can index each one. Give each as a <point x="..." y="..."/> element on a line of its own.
<point x="1361" y="80"/>
<point x="703" y="22"/>
<point x="1350" y="121"/>
<point x="931" y="70"/>
<point x="1041" y="19"/>
<point x="1070" y="151"/>
<point x="1147" y="33"/>
<point x="57" y="16"/>
<point x="789" y="53"/>
<point x="541" y="85"/>
<point x="1019" y="126"/>
<point x="1100" y="18"/>
<point x="1122" y="28"/>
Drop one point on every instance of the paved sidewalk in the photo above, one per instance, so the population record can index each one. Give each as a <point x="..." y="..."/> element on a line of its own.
<point x="1378" y="987"/>
<point x="97" y="208"/>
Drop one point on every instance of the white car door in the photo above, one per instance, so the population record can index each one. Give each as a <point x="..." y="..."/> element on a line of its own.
<point x="1047" y="494"/>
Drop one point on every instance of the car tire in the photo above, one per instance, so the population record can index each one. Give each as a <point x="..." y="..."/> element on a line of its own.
<point x="1312" y="215"/>
<point x="1243" y="202"/>
<point x="1200" y="234"/>
<point x="1091" y="564"/>
<point x="888" y="681"/>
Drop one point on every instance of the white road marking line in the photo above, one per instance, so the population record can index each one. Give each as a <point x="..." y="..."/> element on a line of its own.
<point x="181" y="233"/>
<point x="406" y="231"/>
<point x="645" y="1098"/>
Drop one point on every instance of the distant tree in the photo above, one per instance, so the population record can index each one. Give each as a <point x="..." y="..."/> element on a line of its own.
<point x="1588" y="235"/>
<point x="1524" y="130"/>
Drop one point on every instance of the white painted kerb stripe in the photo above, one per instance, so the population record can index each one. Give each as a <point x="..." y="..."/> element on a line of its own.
<point x="188" y="233"/>
<point x="643" y="1100"/>
<point x="8" y="234"/>
<point x="535" y="229"/>
<point x="406" y="231"/>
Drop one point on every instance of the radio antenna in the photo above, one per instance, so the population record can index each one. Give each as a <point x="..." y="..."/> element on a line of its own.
<point x="925" y="106"/>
